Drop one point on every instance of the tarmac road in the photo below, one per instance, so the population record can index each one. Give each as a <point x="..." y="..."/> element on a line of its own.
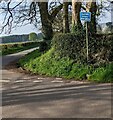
<point x="31" y="96"/>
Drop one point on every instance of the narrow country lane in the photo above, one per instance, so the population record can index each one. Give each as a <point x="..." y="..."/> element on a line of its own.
<point x="31" y="96"/>
<point x="13" y="57"/>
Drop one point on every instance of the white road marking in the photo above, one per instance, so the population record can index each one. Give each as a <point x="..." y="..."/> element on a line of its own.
<point x="41" y="78"/>
<point x="18" y="81"/>
<point x="58" y="78"/>
<point x="56" y="81"/>
<point x="5" y="81"/>
<point x="37" y="81"/>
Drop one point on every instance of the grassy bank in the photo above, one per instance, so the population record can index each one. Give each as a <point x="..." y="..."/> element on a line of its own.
<point x="16" y="47"/>
<point x="51" y="65"/>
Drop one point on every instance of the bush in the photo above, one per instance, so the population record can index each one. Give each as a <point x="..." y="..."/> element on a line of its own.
<point x="70" y="45"/>
<point x="102" y="74"/>
<point x="67" y="58"/>
<point x="6" y="46"/>
<point x="74" y="47"/>
<point x="101" y="49"/>
<point x="33" y="36"/>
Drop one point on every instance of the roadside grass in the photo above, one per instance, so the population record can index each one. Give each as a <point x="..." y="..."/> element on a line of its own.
<point x="102" y="74"/>
<point x="27" y="59"/>
<point x="50" y="64"/>
<point x="15" y="48"/>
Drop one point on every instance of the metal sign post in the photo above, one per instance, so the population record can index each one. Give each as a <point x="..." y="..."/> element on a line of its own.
<point x="86" y="16"/>
<point x="87" y="46"/>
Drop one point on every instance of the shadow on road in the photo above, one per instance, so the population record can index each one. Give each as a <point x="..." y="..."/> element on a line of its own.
<point x="29" y="92"/>
<point x="85" y="98"/>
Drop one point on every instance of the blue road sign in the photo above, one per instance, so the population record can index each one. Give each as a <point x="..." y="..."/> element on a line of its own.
<point x="85" y="16"/>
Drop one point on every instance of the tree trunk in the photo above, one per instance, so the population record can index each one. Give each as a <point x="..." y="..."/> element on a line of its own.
<point x="45" y="20"/>
<point x="65" y="18"/>
<point x="92" y="7"/>
<point x="76" y="8"/>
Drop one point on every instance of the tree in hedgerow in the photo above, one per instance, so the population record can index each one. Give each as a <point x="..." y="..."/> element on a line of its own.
<point x="33" y="36"/>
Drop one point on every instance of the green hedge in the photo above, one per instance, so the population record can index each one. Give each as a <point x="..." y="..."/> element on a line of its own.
<point x="101" y="48"/>
<point x="67" y="58"/>
<point x="70" y="45"/>
<point x="7" y="46"/>
<point x="17" y="47"/>
<point x="74" y="46"/>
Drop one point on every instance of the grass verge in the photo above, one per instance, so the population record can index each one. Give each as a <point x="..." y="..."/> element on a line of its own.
<point x="50" y="64"/>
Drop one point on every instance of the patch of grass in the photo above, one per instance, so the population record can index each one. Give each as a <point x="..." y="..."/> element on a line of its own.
<point x="51" y="65"/>
<point x="27" y="59"/>
<point x="102" y="74"/>
<point x="79" y="72"/>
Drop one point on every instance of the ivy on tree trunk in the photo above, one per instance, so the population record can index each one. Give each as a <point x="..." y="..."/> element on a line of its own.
<point x="65" y="18"/>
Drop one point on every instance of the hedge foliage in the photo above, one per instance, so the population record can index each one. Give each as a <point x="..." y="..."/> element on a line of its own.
<point x="67" y="58"/>
<point x="70" y="45"/>
<point x="74" y="47"/>
<point x="17" y="47"/>
<point x="101" y="48"/>
<point x="10" y="45"/>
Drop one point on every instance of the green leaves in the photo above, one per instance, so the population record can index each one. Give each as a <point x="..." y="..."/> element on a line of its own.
<point x="70" y="45"/>
<point x="66" y="59"/>
<point x="33" y="36"/>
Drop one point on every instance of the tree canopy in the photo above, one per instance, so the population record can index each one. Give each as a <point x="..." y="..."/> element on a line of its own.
<point x="44" y="14"/>
<point x="33" y="36"/>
